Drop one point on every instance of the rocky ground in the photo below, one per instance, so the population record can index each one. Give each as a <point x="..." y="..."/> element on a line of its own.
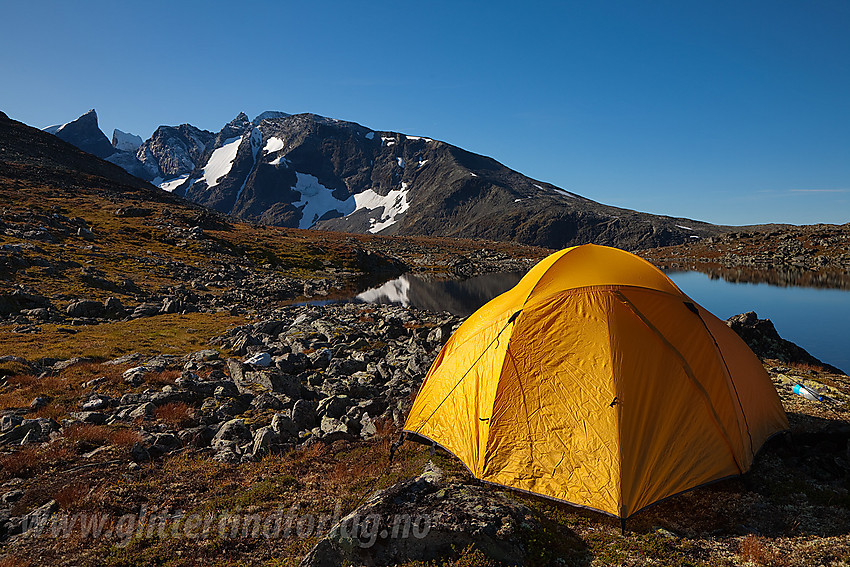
<point x="813" y="255"/>
<point x="293" y="414"/>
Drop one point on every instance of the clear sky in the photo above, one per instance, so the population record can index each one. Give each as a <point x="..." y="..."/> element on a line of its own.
<point x="733" y="112"/>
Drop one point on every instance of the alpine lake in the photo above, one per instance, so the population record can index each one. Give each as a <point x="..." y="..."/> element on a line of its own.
<point x="815" y="318"/>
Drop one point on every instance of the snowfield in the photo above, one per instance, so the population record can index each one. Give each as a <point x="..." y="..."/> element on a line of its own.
<point x="317" y="200"/>
<point x="221" y="161"/>
<point x="172" y="184"/>
<point x="393" y="204"/>
<point x="273" y="144"/>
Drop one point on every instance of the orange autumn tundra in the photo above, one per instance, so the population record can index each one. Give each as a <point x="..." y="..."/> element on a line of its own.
<point x="596" y="381"/>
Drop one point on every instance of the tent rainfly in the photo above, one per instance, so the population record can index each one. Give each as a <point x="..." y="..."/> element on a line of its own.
<point x="597" y="382"/>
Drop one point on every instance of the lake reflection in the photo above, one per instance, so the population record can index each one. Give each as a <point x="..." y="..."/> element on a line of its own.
<point x="816" y="319"/>
<point x="461" y="297"/>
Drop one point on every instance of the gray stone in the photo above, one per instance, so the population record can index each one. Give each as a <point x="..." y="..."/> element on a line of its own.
<point x="17" y="434"/>
<point x="367" y="427"/>
<point x="63" y="364"/>
<point x="304" y="414"/>
<point x="440" y="519"/>
<point x="139" y="453"/>
<point x="12" y="496"/>
<point x="267" y="401"/>
<point x="333" y="425"/>
<point x="85" y="308"/>
<point x="114" y="308"/>
<point x="333" y="406"/>
<point x="7" y="422"/>
<point x="284" y="426"/>
<point x="93" y="417"/>
<point x="227" y="452"/>
<point x="167" y="442"/>
<point x="143" y="411"/>
<point x="204" y="355"/>
<point x="264" y="438"/>
<point x="261" y="359"/>
<point x="95" y="403"/>
<point x="146" y="310"/>
<point x="234" y="430"/>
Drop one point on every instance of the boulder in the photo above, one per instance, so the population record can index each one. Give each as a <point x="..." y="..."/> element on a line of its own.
<point x="235" y="431"/>
<point x="264" y="439"/>
<point x="85" y="308"/>
<point x="333" y="406"/>
<point x="114" y="309"/>
<point x="304" y="414"/>
<point x="426" y="520"/>
<point x="261" y="359"/>
<point x="142" y="411"/>
<point x="761" y="336"/>
<point x="285" y="427"/>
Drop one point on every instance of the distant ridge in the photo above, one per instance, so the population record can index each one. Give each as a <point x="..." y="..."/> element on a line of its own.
<point x="310" y="171"/>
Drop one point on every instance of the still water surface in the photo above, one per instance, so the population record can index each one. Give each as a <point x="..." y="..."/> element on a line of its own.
<point x="816" y="319"/>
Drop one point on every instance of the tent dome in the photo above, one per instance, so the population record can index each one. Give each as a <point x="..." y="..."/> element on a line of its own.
<point x="596" y="381"/>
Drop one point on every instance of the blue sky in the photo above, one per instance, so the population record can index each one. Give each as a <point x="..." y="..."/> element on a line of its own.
<point x="732" y="112"/>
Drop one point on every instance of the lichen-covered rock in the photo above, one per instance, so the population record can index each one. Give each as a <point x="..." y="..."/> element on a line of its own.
<point x="426" y="519"/>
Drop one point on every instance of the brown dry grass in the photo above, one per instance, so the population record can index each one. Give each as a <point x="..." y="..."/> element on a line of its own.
<point x="757" y="550"/>
<point x="69" y="497"/>
<point x="14" y="560"/>
<point x="176" y="414"/>
<point x="161" y="334"/>
<point x="34" y="459"/>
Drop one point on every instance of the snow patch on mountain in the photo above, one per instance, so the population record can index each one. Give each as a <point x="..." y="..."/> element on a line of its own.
<point x="221" y="161"/>
<point x="317" y="200"/>
<point x="171" y="184"/>
<point x="387" y="141"/>
<point x="125" y="142"/>
<point x="561" y="192"/>
<point x="55" y="128"/>
<point x="393" y="204"/>
<point x="273" y="145"/>
<point x="370" y="136"/>
<point x="400" y="162"/>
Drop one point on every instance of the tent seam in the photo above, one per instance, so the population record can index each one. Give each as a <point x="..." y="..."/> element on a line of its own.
<point x="731" y="381"/>
<point x="618" y="408"/>
<point x="688" y="371"/>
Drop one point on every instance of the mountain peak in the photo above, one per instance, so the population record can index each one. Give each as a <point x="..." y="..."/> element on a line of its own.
<point x="125" y="142"/>
<point x="85" y="134"/>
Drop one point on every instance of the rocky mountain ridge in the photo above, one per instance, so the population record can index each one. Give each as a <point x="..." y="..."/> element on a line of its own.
<point x="310" y="171"/>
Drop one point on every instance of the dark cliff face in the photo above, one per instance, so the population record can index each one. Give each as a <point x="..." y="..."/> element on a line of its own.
<point x="86" y="135"/>
<point x="174" y="150"/>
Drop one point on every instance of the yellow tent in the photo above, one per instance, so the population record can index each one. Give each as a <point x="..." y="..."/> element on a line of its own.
<point x="596" y="381"/>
